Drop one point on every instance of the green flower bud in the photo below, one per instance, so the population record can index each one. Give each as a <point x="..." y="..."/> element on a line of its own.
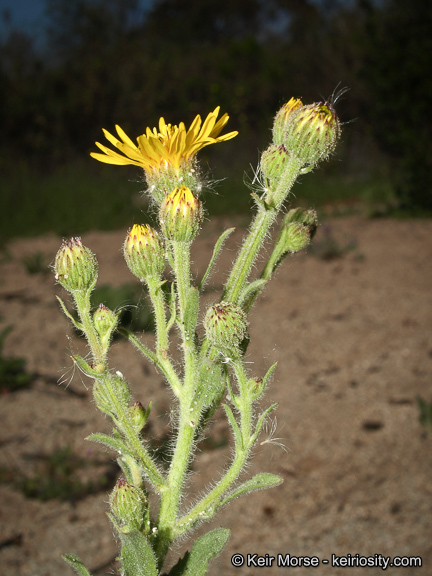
<point x="273" y="161"/>
<point x="75" y="266"/>
<point x="128" y="504"/>
<point x="311" y="133"/>
<point x="181" y="215"/>
<point x="294" y="237"/>
<point x="138" y="416"/>
<point x="256" y="386"/>
<point x="283" y="117"/>
<point x="307" y="217"/>
<point x="225" y="325"/>
<point x="144" y="252"/>
<point x="297" y="229"/>
<point x="105" y="322"/>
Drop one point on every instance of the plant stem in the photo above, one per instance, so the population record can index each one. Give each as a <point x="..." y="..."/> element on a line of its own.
<point x="265" y="217"/>
<point x="150" y="468"/>
<point x="187" y="418"/>
<point x="82" y="301"/>
<point x="208" y="505"/>
<point x="158" y="302"/>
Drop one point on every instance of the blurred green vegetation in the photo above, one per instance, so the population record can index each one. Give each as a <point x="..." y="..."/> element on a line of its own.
<point x="425" y="412"/>
<point x="13" y="374"/>
<point x="69" y="200"/>
<point x="36" y="263"/>
<point x="102" y="62"/>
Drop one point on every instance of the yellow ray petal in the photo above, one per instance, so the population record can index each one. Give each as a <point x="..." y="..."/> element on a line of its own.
<point x="208" y="125"/>
<point x="220" y="125"/>
<point x="111" y="160"/>
<point x="125" y="137"/>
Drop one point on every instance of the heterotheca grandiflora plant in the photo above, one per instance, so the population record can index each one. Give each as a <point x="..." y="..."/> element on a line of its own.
<point x="213" y="372"/>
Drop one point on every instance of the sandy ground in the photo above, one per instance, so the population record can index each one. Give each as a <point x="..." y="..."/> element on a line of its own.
<point x="353" y="340"/>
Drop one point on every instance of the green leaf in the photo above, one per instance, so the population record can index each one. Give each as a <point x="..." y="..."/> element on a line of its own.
<point x="131" y="470"/>
<point x="195" y="562"/>
<point x="139" y="345"/>
<point x="85" y="368"/>
<point x="137" y="555"/>
<point x="259" y="201"/>
<point x="216" y="250"/>
<point x="258" y="482"/>
<point x="260" y="389"/>
<point x="237" y="432"/>
<point x="76" y="563"/>
<point x="77" y="325"/>
<point x="260" y="422"/>
<point x="211" y="384"/>
<point x="109" y="441"/>
<point x="251" y="289"/>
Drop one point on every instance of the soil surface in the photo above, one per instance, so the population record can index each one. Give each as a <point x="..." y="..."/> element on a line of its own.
<point x="350" y="324"/>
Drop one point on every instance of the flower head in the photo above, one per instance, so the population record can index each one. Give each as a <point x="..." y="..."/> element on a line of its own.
<point x="144" y="252"/>
<point x="282" y="118"/>
<point x="128" y="503"/>
<point x="166" y="147"/>
<point x="312" y="132"/>
<point x="226" y="326"/>
<point x="181" y="215"/>
<point x="75" y="266"/>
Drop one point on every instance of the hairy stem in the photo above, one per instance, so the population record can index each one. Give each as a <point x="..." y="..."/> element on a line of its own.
<point x="187" y="418"/>
<point x="158" y="302"/>
<point x="208" y="505"/>
<point x="262" y="223"/>
<point x="82" y="302"/>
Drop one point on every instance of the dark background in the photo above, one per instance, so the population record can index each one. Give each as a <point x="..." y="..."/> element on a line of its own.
<point x="90" y="64"/>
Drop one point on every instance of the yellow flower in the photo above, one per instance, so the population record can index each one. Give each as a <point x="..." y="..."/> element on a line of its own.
<point x="168" y="147"/>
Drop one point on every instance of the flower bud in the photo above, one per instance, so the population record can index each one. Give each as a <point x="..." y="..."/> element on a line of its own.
<point x="181" y="215"/>
<point x="138" y="416"/>
<point x="144" y="252"/>
<point x="256" y="387"/>
<point x="128" y="503"/>
<point x="274" y="161"/>
<point x="225" y="325"/>
<point x="307" y="217"/>
<point x="312" y="132"/>
<point x="297" y="229"/>
<point x="282" y="118"/>
<point x="75" y="266"/>
<point x="294" y="237"/>
<point x="105" y="322"/>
